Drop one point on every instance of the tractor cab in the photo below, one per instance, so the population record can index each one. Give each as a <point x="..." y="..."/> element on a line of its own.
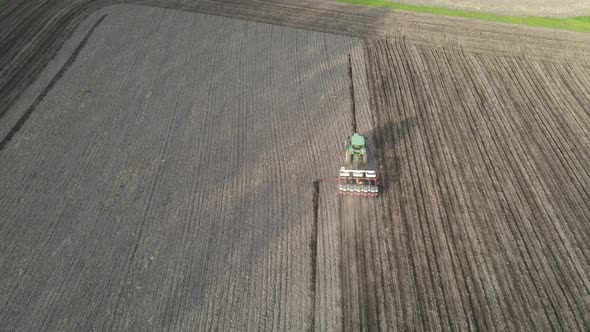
<point x="358" y="178"/>
<point x="356" y="150"/>
<point x="358" y="142"/>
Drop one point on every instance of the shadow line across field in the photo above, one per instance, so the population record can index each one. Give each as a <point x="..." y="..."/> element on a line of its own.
<point x="488" y="186"/>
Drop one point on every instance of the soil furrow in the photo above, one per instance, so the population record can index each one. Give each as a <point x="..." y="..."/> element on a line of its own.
<point x="162" y="170"/>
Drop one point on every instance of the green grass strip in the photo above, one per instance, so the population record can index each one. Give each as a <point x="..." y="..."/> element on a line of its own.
<point x="581" y="23"/>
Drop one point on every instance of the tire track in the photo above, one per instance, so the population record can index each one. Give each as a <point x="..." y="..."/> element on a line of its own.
<point x="21" y="121"/>
<point x="30" y="110"/>
<point x="313" y="248"/>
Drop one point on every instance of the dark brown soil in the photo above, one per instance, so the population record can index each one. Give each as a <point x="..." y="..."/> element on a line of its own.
<point x="154" y="175"/>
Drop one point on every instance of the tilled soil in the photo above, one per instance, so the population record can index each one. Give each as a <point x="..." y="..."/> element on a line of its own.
<point x="165" y="180"/>
<point x="488" y="156"/>
<point x="161" y="171"/>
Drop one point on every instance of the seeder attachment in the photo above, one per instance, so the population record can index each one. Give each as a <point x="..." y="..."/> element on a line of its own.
<point x="357" y="182"/>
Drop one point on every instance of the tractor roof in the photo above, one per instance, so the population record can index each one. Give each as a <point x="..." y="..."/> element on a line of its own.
<point x="357" y="139"/>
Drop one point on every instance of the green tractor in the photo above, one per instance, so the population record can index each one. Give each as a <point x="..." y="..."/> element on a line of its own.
<point x="356" y="150"/>
<point x="358" y="178"/>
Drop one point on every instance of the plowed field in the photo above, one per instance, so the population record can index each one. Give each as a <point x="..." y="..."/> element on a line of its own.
<point x="161" y="167"/>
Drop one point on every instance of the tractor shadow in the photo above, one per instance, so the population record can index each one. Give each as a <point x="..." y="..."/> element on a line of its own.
<point x="383" y="141"/>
